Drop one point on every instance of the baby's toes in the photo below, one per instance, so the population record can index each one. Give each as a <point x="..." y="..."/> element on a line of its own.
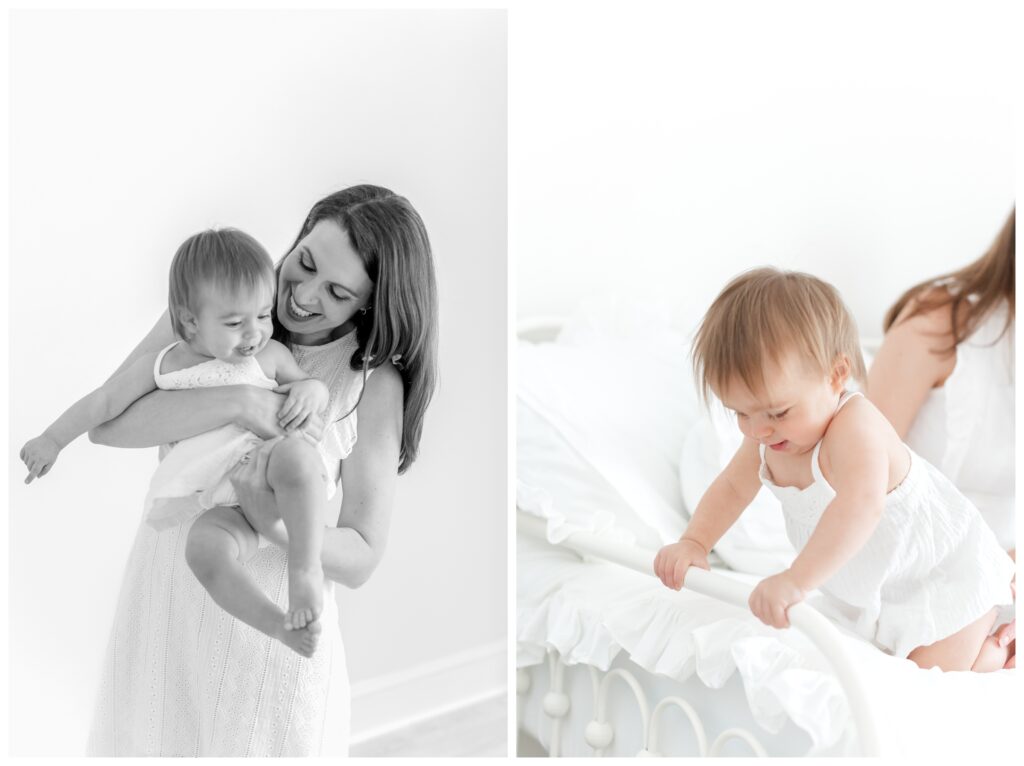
<point x="299" y="618"/>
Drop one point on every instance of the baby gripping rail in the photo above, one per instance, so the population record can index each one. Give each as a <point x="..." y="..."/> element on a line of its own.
<point x="819" y="630"/>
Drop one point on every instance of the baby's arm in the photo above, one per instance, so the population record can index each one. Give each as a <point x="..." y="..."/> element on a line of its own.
<point x="106" y="402"/>
<point x="306" y="395"/>
<point x="723" y="502"/>
<point x="859" y="475"/>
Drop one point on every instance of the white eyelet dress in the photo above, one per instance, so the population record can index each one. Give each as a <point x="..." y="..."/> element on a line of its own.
<point x="183" y="678"/>
<point x="931" y="567"/>
<point x="193" y="476"/>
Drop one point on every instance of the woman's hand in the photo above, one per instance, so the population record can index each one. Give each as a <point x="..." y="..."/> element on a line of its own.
<point x="257" y="499"/>
<point x="673" y="560"/>
<point x="773" y="596"/>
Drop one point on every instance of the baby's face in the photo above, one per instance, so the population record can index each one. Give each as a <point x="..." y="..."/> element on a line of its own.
<point x="233" y="325"/>
<point x="792" y="414"/>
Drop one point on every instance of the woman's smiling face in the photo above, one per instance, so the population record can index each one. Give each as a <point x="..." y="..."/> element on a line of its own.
<point x="322" y="285"/>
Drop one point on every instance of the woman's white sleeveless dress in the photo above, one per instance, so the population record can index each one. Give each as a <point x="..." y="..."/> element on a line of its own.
<point x="183" y="678"/>
<point x="965" y="428"/>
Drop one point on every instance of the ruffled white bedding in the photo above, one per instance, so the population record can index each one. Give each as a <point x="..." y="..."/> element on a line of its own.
<point x="589" y="611"/>
<point x="603" y="416"/>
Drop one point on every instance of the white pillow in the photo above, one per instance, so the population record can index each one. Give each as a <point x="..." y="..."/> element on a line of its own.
<point x="602" y="415"/>
<point x="556" y="483"/>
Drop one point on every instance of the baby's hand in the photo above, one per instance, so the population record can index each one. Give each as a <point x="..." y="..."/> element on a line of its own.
<point x="773" y="596"/>
<point x="673" y="560"/>
<point x="305" y="398"/>
<point x="39" y="455"/>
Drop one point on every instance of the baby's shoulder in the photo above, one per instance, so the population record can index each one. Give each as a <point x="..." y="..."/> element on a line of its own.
<point x="178" y="357"/>
<point x="273" y="354"/>
<point x="861" y="439"/>
<point x="858" y="424"/>
<point x="274" y="350"/>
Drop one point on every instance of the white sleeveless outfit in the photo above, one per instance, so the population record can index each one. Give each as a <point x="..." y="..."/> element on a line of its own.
<point x="965" y="428"/>
<point x="931" y="567"/>
<point x="183" y="678"/>
<point x="193" y="476"/>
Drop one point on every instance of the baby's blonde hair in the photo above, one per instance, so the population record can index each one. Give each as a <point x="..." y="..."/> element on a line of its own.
<point x="226" y="259"/>
<point x="762" y="315"/>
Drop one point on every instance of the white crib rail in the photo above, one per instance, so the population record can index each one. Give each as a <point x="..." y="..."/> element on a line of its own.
<point x="819" y="630"/>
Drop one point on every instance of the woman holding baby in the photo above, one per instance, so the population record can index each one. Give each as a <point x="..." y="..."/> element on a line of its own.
<point x="356" y="304"/>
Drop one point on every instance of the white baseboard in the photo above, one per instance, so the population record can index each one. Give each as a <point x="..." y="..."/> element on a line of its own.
<point x="393" y="701"/>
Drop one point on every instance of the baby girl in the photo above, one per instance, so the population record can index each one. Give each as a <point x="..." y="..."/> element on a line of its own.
<point x="901" y="557"/>
<point x="221" y="294"/>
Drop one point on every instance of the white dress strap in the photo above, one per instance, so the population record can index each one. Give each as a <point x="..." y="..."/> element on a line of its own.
<point x="815" y="464"/>
<point x="847" y="396"/>
<point x="160" y="359"/>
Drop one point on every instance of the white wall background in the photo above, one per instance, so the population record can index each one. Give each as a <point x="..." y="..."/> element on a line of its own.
<point x="130" y="131"/>
<point x="666" y="148"/>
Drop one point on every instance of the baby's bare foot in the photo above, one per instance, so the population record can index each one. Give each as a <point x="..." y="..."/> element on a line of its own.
<point x="302" y="640"/>
<point x="991" y="657"/>
<point x="305" y="597"/>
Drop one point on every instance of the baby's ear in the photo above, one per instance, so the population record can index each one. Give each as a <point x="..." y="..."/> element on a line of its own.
<point x="188" y="321"/>
<point x="841" y="370"/>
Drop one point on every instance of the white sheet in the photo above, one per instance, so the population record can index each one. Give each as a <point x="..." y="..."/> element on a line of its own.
<point x="591" y="611"/>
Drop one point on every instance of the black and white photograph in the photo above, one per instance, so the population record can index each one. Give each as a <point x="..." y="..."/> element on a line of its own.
<point x="258" y="383"/>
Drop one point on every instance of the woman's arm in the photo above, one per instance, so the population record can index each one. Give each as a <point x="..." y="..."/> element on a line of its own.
<point x="353" y="548"/>
<point x="907" y="368"/>
<point x="162" y="417"/>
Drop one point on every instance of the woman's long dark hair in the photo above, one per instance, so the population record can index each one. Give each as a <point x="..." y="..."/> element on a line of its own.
<point x="401" y="324"/>
<point x="971" y="293"/>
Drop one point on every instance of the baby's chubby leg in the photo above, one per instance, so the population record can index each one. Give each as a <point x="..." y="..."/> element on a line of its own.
<point x="296" y="474"/>
<point x="970" y="648"/>
<point x="219" y="544"/>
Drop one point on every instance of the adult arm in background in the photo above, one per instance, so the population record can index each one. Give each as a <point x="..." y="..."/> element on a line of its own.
<point x="907" y="366"/>
<point x="162" y="417"/>
<point x="353" y="548"/>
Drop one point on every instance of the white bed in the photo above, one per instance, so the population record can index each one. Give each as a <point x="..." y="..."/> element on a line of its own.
<point x="611" y="662"/>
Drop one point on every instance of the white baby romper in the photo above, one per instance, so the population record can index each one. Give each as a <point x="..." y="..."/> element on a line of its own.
<point x="931" y="567"/>
<point x="193" y="476"/>
<point x="181" y="677"/>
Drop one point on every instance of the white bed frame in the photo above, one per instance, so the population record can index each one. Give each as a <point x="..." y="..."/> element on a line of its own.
<point x="600" y="731"/>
